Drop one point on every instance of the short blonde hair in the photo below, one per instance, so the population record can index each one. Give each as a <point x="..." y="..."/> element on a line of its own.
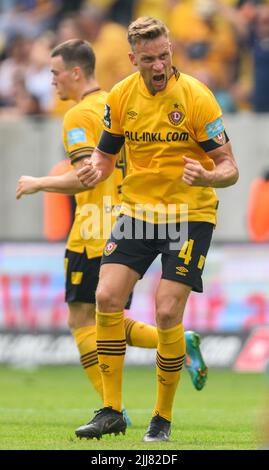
<point x="146" y="27"/>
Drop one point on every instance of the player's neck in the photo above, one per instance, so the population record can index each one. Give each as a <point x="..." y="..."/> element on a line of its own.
<point x="89" y="87"/>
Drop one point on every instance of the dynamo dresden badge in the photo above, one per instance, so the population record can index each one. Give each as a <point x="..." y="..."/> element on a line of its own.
<point x="176" y="117"/>
<point x="220" y="138"/>
<point x="109" y="248"/>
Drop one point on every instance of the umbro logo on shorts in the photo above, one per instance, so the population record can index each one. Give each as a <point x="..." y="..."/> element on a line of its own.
<point x="181" y="270"/>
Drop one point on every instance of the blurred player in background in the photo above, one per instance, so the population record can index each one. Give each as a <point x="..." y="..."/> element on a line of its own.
<point x="177" y="152"/>
<point x="73" y="65"/>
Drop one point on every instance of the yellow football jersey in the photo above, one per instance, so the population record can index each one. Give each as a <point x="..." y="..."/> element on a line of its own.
<point x="159" y="130"/>
<point x="96" y="208"/>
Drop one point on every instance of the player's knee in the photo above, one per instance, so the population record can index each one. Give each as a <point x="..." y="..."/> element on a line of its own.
<point x="80" y="315"/>
<point x="168" y="314"/>
<point x="108" y="301"/>
<point x="76" y="321"/>
<point x="164" y="318"/>
<point x="72" y="322"/>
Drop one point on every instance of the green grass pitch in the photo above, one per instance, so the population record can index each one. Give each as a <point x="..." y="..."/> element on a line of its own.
<point x="40" y="409"/>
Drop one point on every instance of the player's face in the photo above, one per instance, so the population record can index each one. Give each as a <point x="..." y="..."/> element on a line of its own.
<point x="62" y="78"/>
<point x="153" y="58"/>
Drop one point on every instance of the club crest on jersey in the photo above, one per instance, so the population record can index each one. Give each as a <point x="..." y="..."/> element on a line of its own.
<point x="176" y="117"/>
<point x="109" y="248"/>
<point x="220" y="138"/>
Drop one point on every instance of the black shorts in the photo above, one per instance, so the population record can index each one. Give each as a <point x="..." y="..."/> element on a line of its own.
<point x="81" y="278"/>
<point x="183" y="248"/>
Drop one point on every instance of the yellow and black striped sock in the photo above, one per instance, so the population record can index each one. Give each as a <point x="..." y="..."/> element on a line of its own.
<point x="85" y="338"/>
<point x="140" y="334"/>
<point x="169" y="361"/>
<point x="111" y="346"/>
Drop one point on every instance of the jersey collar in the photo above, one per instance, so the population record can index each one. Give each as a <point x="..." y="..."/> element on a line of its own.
<point x="89" y="92"/>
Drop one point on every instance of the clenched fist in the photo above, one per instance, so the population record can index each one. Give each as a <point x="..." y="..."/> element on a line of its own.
<point x="194" y="173"/>
<point x="88" y="175"/>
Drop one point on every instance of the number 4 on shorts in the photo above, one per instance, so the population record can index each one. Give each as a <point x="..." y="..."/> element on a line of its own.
<point x="186" y="250"/>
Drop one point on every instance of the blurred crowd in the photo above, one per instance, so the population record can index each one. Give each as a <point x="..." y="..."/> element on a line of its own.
<point x="224" y="43"/>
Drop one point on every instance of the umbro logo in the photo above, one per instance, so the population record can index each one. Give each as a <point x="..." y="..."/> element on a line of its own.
<point x="161" y="379"/>
<point x="104" y="367"/>
<point x="131" y="114"/>
<point x="181" y="270"/>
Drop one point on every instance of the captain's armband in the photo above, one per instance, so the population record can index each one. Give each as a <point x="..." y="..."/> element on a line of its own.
<point x="215" y="142"/>
<point x="110" y="143"/>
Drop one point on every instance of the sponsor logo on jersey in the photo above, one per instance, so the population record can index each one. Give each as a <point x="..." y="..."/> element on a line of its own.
<point x="107" y="116"/>
<point x="220" y="138"/>
<point x="176" y="117"/>
<point x="134" y="136"/>
<point x="109" y="248"/>
<point x="76" y="136"/>
<point x="214" y="128"/>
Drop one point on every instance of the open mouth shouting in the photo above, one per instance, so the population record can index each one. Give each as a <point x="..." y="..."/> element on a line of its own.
<point x="159" y="81"/>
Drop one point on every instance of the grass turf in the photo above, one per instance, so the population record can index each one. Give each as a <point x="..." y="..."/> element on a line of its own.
<point x="41" y="408"/>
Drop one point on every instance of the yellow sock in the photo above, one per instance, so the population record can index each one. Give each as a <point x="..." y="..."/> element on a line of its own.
<point x="111" y="346"/>
<point x="85" y="338"/>
<point x="170" y="358"/>
<point x="140" y="334"/>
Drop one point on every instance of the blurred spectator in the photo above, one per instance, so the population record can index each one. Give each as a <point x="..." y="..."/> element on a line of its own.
<point x="260" y="97"/>
<point x="70" y="6"/>
<point x="205" y="46"/>
<point x="159" y="9"/>
<point x="109" y="40"/>
<point x="29" y="18"/>
<point x="6" y="5"/>
<point x="224" y="43"/>
<point x="38" y="74"/>
<point x="68" y="28"/>
<point x="251" y="22"/>
<point x="15" y="65"/>
<point x="24" y="104"/>
<point x="121" y="11"/>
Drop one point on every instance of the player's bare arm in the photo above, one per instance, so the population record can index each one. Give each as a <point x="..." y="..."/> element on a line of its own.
<point x="97" y="169"/>
<point x="223" y="175"/>
<point x="68" y="183"/>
